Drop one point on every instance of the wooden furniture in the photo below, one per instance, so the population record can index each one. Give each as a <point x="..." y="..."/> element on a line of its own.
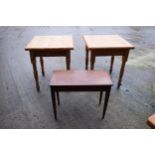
<point x="80" y="81"/>
<point x="48" y="46"/>
<point x="151" y="121"/>
<point x="107" y="45"/>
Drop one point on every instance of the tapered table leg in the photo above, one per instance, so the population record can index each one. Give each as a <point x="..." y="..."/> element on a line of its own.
<point x="35" y="72"/>
<point x="42" y="66"/>
<point x="106" y="101"/>
<point x="92" y="60"/>
<point x="54" y="103"/>
<point x="124" y="59"/>
<point x="68" y="60"/>
<point x="111" y="64"/>
<point x="87" y="58"/>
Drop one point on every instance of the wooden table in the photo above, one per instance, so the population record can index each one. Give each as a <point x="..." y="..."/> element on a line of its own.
<point x="49" y="46"/>
<point x="80" y="81"/>
<point x="107" y="45"/>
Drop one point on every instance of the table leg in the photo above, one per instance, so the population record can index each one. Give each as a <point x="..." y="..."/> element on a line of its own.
<point x="106" y="101"/>
<point x="111" y="65"/>
<point x="35" y="72"/>
<point x="68" y="60"/>
<point x="124" y="59"/>
<point x="92" y="60"/>
<point x="58" y="99"/>
<point x="100" y="99"/>
<point x="54" y="103"/>
<point x="42" y="66"/>
<point x="87" y="58"/>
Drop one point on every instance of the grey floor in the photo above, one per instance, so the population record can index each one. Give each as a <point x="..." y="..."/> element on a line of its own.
<point x="22" y="107"/>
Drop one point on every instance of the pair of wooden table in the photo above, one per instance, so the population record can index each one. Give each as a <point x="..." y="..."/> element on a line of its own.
<point x="98" y="45"/>
<point x="61" y="46"/>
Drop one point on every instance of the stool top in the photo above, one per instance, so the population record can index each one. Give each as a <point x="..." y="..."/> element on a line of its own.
<point x="106" y="42"/>
<point x="80" y="78"/>
<point x="50" y="42"/>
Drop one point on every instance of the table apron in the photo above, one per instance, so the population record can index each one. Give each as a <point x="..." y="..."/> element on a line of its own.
<point x="110" y="52"/>
<point x="80" y="88"/>
<point x="49" y="53"/>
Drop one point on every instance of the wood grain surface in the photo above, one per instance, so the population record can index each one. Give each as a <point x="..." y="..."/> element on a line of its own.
<point x="50" y="42"/>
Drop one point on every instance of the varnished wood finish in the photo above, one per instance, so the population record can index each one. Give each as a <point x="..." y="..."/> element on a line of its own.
<point x="49" y="46"/>
<point x="80" y="81"/>
<point x="87" y="58"/>
<point x="79" y="78"/>
<point x="107" y="94"/>
<point x="107" y="45"/>
<point x="92" y="59"/>
<point x="100" y="100"/>
<point x="54" y="103"/>
<point x="68" y="60"/>
<point x="151" y="121"/>
<point x="35" y="72"/>
<point x="42" y="66"/>
<point x="124" y="59"/>
<point x="58" y="98"/>
<point x="111" y="64"/>
<point x="106" y="42"/>
<point x="50" y="42"/>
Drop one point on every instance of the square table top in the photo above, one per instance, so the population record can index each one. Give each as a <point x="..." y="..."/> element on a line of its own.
<point x="106" y="42"/>
<point x="50" y="42"/>
<point x="80" y="78"/>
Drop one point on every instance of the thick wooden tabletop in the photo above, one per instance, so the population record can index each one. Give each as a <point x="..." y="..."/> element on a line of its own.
<point x="80" y="78"/>
<point x="50" y="42"/>
<point x="106" y="42"/>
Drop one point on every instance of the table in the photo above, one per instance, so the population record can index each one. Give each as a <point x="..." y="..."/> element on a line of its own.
<point x="107" y="45"/>
<point x="73" y="80"/>
<point x="48" y="46"/>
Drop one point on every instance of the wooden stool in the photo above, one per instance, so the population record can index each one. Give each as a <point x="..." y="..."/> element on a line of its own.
<point x="151" y="121"/>
<point x="63" y="81"/>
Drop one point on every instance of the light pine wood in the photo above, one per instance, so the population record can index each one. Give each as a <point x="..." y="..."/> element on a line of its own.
<point x="50" y="42"/>
<point x="49" y="46"/>
<point x="107" y="45"/>
<point x="106" y="41"/>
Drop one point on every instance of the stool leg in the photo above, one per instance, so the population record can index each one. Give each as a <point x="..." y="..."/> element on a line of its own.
<point x="58" y="99"/>
<point x="54" y="103"/>
<point x="106" y="101"/>
<point x="101" y="94"/>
